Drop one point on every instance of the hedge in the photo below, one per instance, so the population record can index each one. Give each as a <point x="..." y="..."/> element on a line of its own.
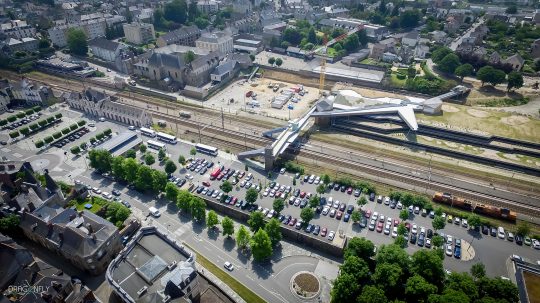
<point x="14" y="134"/>
<point x="58" y="116"/>
<point x="107" y="132"/>
<point x="81" y="123"/>
<point x="12" y="118"/>
<point x="48" y="139"/>
<point x="39" y="144"/>
<point x="73" y="126"/>
<point x="92" y="140"/>
<point x="20" y="115"/>
<point x="401" y="76"/>
<point x="65" y="131"/>
<point x="3" y="122"/>
<point x="28" y="112"/>
<point x="43" y="122"/>
<point x="50" y="119"/>
<point x="75" y="150"/>
<point x="83" y="145"/>
<point x="34" y="126"/>
<point x="36" y="108"/>
<point x="25" y="131"/>
<point x="57" y="135"/>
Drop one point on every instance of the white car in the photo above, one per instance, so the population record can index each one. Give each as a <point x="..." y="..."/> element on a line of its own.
<point x="243" y="183"/>
<point x="228" y="266"/>
<point x="381" y="218"/>
<point x="325" y="210"/>
<point x="422" y="230"/>
<point x="266" y="192"/>
<point x="282" y="171"/>
<point x="189" y="177"/>
<point x="449" y="240"/>
<point x="249" y="176"/>
<point x="336" y="204"/>
<point x="414" y="229"/>
<point x="536" y="244"/>
<point x="399" y="205"/>
<point x="271" y="214"/>
<point x="265" y="211"/>
<point x="394" y="232"/>
<point x="449" y="249"/>
<point x="331" y="235"/>
<point x="375" y="216"/>
<point x="387" y="229"/>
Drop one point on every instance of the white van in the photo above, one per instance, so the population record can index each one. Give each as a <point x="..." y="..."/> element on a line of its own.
<point x="154" y="212"/>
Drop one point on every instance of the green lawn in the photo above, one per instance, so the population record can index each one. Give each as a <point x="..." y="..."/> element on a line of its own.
<point x="97" y="204"/>
<point x="396" y="81"/>
<point x="234" y="284"/>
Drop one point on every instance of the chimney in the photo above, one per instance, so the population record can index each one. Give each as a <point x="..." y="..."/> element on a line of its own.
<point x="80" y="213"/>
<point x="47" y="297"/>
<point x="56" y="285"/>
<point x="94" y="237"/>
<point x="89" y="228"/>
<point x="72" y="217"/>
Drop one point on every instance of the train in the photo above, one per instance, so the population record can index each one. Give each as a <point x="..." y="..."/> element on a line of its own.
<point x="476" y="207"/>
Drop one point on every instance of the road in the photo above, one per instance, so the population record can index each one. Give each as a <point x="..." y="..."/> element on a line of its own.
<point x="456" y="42"/>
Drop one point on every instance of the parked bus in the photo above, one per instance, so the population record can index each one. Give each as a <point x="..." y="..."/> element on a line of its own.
<point x="215" y="173"/>
<point x="166" y="138"/>
<point x="148" y="132"/>
<point x="184" y="114"/>
<point x="205" y="149"/>
<point x="155" y="145"/>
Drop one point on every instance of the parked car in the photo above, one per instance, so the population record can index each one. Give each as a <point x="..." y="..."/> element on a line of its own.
<point x="228" y="266"/>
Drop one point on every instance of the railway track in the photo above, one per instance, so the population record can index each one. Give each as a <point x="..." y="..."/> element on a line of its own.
<point x="237" y="140"/>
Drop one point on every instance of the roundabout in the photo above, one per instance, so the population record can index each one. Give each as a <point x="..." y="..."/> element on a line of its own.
<point x="305" y="285"/>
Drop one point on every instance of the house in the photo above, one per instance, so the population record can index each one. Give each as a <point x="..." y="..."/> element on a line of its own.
<point x="208" y="6"/>
<point x="186" y="35"/>
<point x="93" y="28"/>
<point x="27" y="92"/>
<point x="32" y="273"/>
<point x="494" y="58"/>
<point x="139" y="33"/>
<point x="99" y="104"/>
<point x="13" y="45"/>
<point x="421" y="51"/>
<point x="355" y="57"/>
<point x="439" y="36"/>
<point x="535" y="48"/>
<point x="216" y="41"/>
<point x="452" y="25"/>
<point x="165" y="272"/>
<point x="105" y="49"/>
<point x="377" y="50"/>
<point x="17" y="29"/>
<point x="389" y="57"/>
<point x="516" y="61"/>
<point x="242" y="8"/>
<point x="410" y="39"/>
<point x="224" y="71"/>
<point x="247" y="44"/>
<point x="5" y="95"/>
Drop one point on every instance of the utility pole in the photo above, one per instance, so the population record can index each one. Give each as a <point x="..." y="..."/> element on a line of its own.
<point x="199" y="128"/>
<point x="222" y="119"/>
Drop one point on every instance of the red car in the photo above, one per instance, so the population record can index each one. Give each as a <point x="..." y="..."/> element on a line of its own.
<point x="302" y="194"/>
<point x="379" y="227"/>
<point x="339" y="215"/>
<point x="396" y="222"/>
<point x="233" y="201"/>
<point x="367" y="213"/>
<point x="349" y="190"/>
<point x="292" y="222"/>
<point x="221" y="176"/>
<point x="206" y="183"/>
<point x="408" y="226"/>
<point x="323" y="232"/>
<point x="248" y="94"/>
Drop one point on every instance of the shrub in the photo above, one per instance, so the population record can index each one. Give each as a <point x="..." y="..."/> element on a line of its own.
<point x="57" y="135"/>
<point x="401" y="76"/>
<point x="83" y="145"/>
<point x="294" y="168"/>
<point x="73" y="126"/>
<point x="75" y="150"/>
<point x="3" y="122"/>
<point x="36" y="109"/>
<point x="39" y="144"/>
<point x="34" y="126"/>
<point x="81" y="123"/>
<point x="21" y="115"/>
<point x="100" y="136"/>
<point x="50" y="120"/>
<point x="12" y="118"/>
<point x="65" y="131"/>
<point x="43" y="122"/>
<point x="58" y="116"/>
<point x="28" y="112"/>
<point x="48" y="139"/>
<point x="107" y="132"/>
<point x="93" y="140"/>
<point x="25" y="131"/>
<point x="14" y="134"/>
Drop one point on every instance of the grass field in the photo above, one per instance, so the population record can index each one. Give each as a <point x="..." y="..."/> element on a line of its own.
<point x="234" y="284"/>
<point x="532" y="283"/>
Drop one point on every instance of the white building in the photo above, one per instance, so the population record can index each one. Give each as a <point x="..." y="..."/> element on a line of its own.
<point x="17" y="29"/>
<point x="208" y="6"/>
<point x="139" y="33"/>
<point x="32" y="94"/>
<point x="105" y="49"/>
<point x="216" y="41"/>
<point x="92" y="28"/>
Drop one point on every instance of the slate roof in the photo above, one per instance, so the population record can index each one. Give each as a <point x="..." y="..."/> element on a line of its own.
<point x="208" y="59"/>
<point x="168" y="60"/>
<point x="224" y="68"/>
<point x="18" y="258"/>
<point x="103" y="43"/>
<point x="181" y="33"/>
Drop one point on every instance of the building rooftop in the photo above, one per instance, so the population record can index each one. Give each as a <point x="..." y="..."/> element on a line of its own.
<point x="118" y="145"/>
<point x="104" y="44"/>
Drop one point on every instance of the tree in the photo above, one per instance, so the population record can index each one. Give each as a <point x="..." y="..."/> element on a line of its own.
<point x="161" y="154"/>
<point x="359" y="247"/>
<point x="512" y="9"/>
<point x="523" y="229"/>
<point x="251" y="195"/>
<point x="440" y="53"/>
<point x="117" y="167"/>
<point x="475" y="220"/>
<point x="462" y="282"/>
<point x="490" y="75"/>
<point x="409" y="18"/>
<point x="326" y="179"/>
<point x="292" y="36"/>
<point x="372" y="294"/>
<point x="170" y="167"/>
<point x="278" y="205"/>
<point x="345" y="289"/>
<point x="131" y="154"/>
<point x="189" y="57"/>
<point x="515" y="81"/>
<point x="142" y="148"/>
<point x="171" y="192"/>
<point x="387" y="276"/>
<point x="356" y="216"/>
<point x="449" y="63"/>
<point x="9" y="223"/>
<point x="175" y="11"/>
<point x="76" y="40"/>
<point x="478" y="270"/>
<point x="279" y="61"/>
<point x="500" y="288"/>
<point x="400" y="241"/>
<point x="198" y="207"/>
<point x="401" y="229"/>
<point x="212" y="219"/>
<point x="193" y="11"/>
<point x="451" y="296"/>
<point x="362" y="201"/>
<point x="159" y="180"/>
<point x="130" y="167"/>
<point x="464" y="70"/>
<point x="271" y="60"/>
<point x="429" y="265"/>
<point x="438" y="223"/>
<point x="394" y="254"/>
<point x="438" y="211"/>
<point x="256" y="221"/>
<point x="314" y="201"/>
<point x="273" y="229"/>
<point x="438" y="241"/>
<point x="418" y="289"/>
<point x="242" y="237"/>
<point x="226" y="187"/>
<point x="261" y="245"/>
<point x="144" y="178"/>
<point x="100" y="159"/>
<point x="321" y="189"/>
<point x="362" y="37"/>
<point x="227" y="225"/>
<point x="306" y="215"/>
<point x="357" y="268"/>
<point x="149" y="159"/>
<point x="404" y="214"/>
<point x="184" y="200"/>
<point x="411" y="72"/>
<point x="351" y="43"/>
<point x="312" y="36"/>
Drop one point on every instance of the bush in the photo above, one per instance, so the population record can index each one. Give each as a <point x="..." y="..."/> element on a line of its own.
<point x="50" y="120"/>
<point x="42" y="122"/>
<point x="48" y="139"/>
<point x="83" y="145"/>
<point x="39" y="144"/>
<point x="25" y="131"/>
<point x="34" y="126"/>
<point x="12" y="118"/>
<point x="3" y="122"/>
<point x="65" y="131"/>
<point x="58" y="116"/>
<point x="14" y="134"/>
<point x="293" y="167"/>
<point x="21" y="115"/>
<point x="57" y="135"/>
<point x="73" y="126"/>
<point x="100" y="136"/>
<point x="107" y="132"/>
<point x="81" y="123"/>
<point x="92" y="140"/>
<point x="29" y="112"/>
<point x="36" y="109"/>
<point x="401" y="76"/>
<point x="75" y="150"/>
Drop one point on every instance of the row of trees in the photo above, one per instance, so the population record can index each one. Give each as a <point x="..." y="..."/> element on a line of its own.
<point x="393" y="276"/>
<point x="389" y="17"/>
<point x="34" y="127"/>
<point x="20" y="115"/>
<point x="180" y="12"/>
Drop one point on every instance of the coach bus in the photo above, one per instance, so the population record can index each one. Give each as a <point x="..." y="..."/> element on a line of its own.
<point x="205" y="149"/>
<point x="148" y="132"/>
<point x="155" y="145"/>
<point x="166" y="138"/>
<point x="215" y="173"/>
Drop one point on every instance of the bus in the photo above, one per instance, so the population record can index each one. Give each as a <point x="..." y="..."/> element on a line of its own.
<point x="205" y="149"/>
<point x="184" y="114"/>
<point x="155" y="145"/>
<point x="148" y="132"/>
<point x="215" y="173"/>
<point x="166" y="138"/>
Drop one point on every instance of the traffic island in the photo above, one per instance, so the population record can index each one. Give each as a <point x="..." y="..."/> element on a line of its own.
<point x="467" y="251"/>
<point x="305" y="285"/>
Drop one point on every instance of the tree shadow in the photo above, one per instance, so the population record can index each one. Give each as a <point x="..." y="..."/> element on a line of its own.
<point x="277" y="252"/>
<point x="229" y="243"/>
<point x="212" y="233"/>
<point x="476" y="234"/>
<point x="172" y="208"/>
<point x="263" y="269"/>
<point x="243" y="255"/>
<point x="197" y="226"/>
<point x="356" y="228"/>
<point x="183" y="217"/>
<point x="491" y="91"/>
